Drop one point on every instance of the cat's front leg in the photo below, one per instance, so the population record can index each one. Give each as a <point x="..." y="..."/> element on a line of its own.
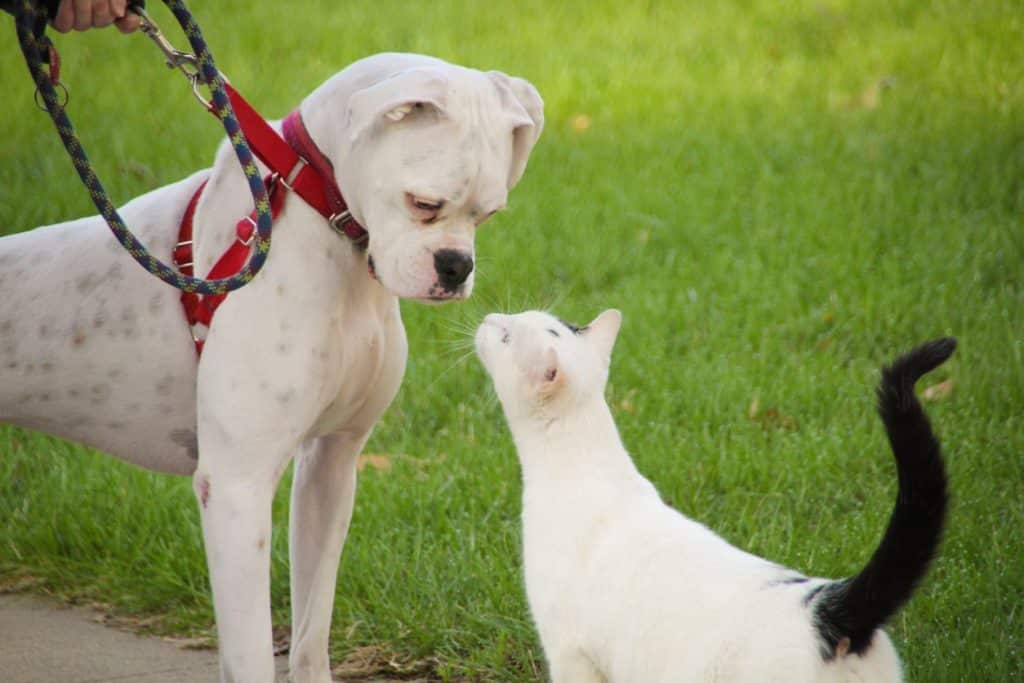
<point x="572" y="665"/>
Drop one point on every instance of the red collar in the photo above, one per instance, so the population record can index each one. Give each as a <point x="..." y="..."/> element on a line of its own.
<point x="300" y="164"/>
<point x="295" y="163"/>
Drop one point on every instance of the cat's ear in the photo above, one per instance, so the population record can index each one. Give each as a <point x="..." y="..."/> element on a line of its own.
<point x="603" y="331"/>
<point x="546" y="370"/>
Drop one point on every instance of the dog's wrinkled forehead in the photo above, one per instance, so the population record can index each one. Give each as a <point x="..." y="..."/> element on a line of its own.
<point x="496" y="114"/>
<point x="453" y="163"/>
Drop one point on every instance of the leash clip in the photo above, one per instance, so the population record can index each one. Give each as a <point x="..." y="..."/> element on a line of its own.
<point x="185" y="62"/>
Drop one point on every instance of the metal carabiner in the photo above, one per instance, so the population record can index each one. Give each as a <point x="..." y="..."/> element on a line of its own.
<point x="185" y="62"/>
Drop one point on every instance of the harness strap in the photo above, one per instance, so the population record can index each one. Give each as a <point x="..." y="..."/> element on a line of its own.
<point x="296" y="163"/>
<point x="199" y="308"/>
<point x="299" y="162"/>
<point x="298" y="138"/>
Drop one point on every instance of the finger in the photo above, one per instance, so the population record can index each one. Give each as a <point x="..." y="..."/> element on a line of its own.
<point x="128" y="22"/>
<point x="101" y="14"/>
<point x="118" y="8"/>
<point x="65" y="19"/>
<point x="83" y="15"/>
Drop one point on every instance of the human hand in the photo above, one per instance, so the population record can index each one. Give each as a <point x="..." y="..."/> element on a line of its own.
<point x="85" y="14"/>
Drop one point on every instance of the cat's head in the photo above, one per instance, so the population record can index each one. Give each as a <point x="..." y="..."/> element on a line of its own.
<point x="541" y="365"/>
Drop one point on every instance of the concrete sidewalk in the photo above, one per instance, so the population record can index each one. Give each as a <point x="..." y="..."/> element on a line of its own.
<point x="42" y="642"/>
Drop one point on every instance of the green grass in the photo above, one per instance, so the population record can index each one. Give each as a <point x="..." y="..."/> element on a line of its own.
<point x="779" y="196"/>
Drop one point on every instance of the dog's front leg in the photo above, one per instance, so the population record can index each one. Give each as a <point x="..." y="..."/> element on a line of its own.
<point x="323" y="491"/>
<point x="234" y="485"/>
<point x="236" y="516"/>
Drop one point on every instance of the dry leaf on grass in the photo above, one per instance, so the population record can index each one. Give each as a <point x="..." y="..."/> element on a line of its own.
<point x="282" y="639"/>
<point x="376" y="663"/>
<point x="580" y="122"/>
<point x="770" y="418"/>
<point x="377" y="461"/>
<point x="867" y="99"/>
<point x="197" y="643"/>
<point x="626" y="404"/>
<point x="17" y="584"/>
<point x="939" y="391"/>
<point x="383" y="462"/>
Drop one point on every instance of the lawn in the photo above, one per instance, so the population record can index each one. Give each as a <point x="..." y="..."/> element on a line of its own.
<point x="779" y="197"/>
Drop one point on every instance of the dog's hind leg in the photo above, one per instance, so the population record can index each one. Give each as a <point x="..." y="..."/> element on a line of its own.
<point x="323" y="491"/>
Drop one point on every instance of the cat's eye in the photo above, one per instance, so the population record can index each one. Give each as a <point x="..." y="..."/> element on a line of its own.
<point x="554" y="334"/>
<point x="575" y="329"/>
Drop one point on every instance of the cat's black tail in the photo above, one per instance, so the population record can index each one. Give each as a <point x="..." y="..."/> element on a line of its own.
<point x="847" y="612"/>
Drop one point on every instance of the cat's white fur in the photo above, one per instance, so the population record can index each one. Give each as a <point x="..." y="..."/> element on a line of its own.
<point x="623" y="588"/>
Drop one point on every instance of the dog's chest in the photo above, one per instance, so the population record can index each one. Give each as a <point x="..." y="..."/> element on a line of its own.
<point x="366" y="359"/>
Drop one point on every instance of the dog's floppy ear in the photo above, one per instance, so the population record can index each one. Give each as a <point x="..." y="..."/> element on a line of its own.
<point x="525" y="108"/>
<point x="394" y="97"/>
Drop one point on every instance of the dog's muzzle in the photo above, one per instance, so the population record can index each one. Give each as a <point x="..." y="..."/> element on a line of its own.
<point x="453" y="267"/>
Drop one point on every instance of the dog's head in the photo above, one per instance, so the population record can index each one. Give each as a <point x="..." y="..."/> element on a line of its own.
<point x="429" y="153"/>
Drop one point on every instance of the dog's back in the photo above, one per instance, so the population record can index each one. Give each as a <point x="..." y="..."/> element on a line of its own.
<point x="92" y="347"/>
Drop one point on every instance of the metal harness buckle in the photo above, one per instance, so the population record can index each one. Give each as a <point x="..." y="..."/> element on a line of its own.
<point x="246" y="242"/>
<point x="293" y="174"/>
<point x="337" y="221"/>
<point x="179" y="245"/>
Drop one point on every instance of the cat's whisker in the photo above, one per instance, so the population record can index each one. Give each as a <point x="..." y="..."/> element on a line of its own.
<point x="461" y="360"/>
<point x="455" y="332"/>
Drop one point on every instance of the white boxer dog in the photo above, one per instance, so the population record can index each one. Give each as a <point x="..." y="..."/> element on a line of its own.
<point x="299" y="363"/>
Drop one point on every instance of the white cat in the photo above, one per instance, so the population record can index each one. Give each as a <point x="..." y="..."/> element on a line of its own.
<point x="624" y="589"/>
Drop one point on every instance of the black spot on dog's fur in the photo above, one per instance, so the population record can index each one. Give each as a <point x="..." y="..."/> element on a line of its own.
<point x="164" y="386"/>
<point x="186" y="438"/>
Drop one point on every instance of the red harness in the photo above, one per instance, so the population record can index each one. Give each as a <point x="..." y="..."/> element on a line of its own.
<point x="295" y="163"/>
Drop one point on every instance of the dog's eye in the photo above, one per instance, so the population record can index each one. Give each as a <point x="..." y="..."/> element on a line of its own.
<point x="506" y="338"/>
<point x="553" y="333"/>
<point x="427" y="206"/>
<point x="426" y="210"/>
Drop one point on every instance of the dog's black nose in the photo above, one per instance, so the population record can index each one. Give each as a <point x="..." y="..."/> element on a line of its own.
<point x="453" y="267"/>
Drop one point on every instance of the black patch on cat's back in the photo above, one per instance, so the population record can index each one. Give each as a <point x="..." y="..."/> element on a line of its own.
<point x="813" y="593"/>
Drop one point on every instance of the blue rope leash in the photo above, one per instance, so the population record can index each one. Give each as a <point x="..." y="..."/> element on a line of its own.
<point x="31" y="25"/>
